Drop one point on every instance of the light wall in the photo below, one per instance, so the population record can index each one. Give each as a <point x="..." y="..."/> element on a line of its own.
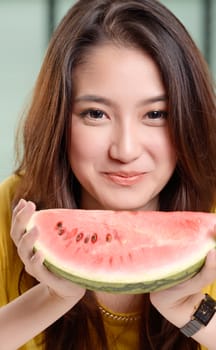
<point x="23" y="41"/>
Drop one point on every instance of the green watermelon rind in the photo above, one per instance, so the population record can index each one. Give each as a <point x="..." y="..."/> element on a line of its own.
<point x="129" y="288"/>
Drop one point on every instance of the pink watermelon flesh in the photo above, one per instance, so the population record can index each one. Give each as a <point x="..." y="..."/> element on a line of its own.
<point x="124" y="251"/>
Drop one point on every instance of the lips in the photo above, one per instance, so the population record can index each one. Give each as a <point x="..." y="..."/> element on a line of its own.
<point x="125" y="179"/>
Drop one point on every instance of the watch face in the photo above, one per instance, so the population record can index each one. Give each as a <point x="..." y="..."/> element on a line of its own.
<point x="204" y="312"/>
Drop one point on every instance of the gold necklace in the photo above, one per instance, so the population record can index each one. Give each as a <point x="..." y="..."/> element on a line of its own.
<point x="116" y="317"/>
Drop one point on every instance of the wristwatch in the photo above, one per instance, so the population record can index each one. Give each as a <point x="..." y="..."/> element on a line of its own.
<point x="201" y="317"/>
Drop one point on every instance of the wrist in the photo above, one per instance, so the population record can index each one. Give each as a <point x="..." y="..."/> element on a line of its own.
<point x="63" y="299"/>
<point x="204" y="312"/>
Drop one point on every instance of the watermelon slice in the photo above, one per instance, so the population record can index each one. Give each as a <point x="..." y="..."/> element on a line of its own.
<point x="124" y="251"/>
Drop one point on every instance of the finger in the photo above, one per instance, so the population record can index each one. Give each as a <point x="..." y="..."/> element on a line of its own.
<point x="21" y="204"/>
<point x="206" y="276"/>
<point x="208" y="273"/>
<point x="58" y="286"/>
<point x="26" y="244"/>
<point x="20" y="221"/>
<point x="214" y="231"/>
<point x="34" y="265"/>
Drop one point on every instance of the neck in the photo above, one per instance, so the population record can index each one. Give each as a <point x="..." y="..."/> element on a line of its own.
<point x="122" y="303"/>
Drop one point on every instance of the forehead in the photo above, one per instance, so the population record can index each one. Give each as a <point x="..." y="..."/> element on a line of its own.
<point x="119" y="67"/>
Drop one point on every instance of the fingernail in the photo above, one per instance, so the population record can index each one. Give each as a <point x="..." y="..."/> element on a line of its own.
<point x="31" y="204"/>
<point x="21" y="202"/>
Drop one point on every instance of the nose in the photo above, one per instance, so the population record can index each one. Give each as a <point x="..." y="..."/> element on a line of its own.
<point x="126" y="144"/>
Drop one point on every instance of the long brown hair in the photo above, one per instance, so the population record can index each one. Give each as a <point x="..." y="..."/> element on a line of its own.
<point x="46" y="176"/>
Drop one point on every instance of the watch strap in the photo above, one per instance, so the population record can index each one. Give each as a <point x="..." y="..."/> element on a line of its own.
<point x="191" y="327"/>
<point x="201" y="317"/>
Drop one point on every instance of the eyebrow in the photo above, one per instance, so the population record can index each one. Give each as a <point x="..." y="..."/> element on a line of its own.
<point x="108" y="102"/>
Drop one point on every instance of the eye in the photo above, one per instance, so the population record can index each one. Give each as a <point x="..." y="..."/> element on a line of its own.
<point x="155" y="118"/>
<point x="157" y="115"/>
<point x="93" y="114"/>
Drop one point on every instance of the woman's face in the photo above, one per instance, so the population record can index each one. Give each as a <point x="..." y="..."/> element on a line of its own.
<point x="120" y="150"/>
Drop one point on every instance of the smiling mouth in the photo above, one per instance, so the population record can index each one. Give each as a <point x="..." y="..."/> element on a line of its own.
<point x="125" y="179"/>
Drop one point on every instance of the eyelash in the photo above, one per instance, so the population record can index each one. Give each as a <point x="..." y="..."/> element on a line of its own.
<point x="158" y="113"/>
<point x="98" y="114"/>
<point x="88" y="113"/>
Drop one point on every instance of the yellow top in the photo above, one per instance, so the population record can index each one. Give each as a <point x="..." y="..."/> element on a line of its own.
<point x="10" y="267"/>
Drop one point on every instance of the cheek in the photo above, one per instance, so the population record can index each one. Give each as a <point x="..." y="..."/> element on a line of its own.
<point x="87" y="144"/>
<point x="169" y="153"/>
<point x="164" y="148"/>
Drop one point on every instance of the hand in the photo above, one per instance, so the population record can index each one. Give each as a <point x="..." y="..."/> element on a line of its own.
<point x="33" y="262"/>
<point x="177" y="303"/>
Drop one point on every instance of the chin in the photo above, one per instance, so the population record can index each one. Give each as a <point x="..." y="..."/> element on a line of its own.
<point x="132" y="204"/>
<point x="124" y="206"/>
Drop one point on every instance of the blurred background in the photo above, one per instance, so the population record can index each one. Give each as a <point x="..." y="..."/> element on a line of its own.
<point x="25" y="30"/>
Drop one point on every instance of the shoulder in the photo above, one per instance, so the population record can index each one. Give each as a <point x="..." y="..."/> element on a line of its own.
<point x="7" y="190"/>
<point x="8" y="186"/>
<point x="10" y="264"/>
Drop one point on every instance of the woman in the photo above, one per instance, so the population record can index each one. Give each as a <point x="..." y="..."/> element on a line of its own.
<point x="122" y="117"/>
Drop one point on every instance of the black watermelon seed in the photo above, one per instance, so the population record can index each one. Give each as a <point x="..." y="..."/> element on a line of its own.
<point x="61" y="231"/>
<point x="79" y="236"/>
<point x="86" y="239"/>
<point x="59" y="224"/>
<point x="94" y="238"/>
<point x="108" y="237"/>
